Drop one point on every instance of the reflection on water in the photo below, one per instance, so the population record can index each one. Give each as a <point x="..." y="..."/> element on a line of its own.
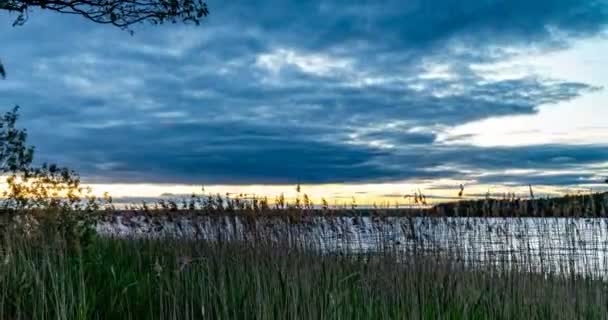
<point x="560" y="245"/>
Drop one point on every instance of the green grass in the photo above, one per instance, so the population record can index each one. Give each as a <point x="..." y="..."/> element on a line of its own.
<point x="47" y="277"/>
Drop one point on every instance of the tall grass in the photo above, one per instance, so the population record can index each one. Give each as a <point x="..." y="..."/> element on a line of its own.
<point x="253" y="261"/>
<point x="46" y="276"/>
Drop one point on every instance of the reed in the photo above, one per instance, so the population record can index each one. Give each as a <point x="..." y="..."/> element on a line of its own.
<point x="147" y="279"/>
<point x="46" y="274"/>
<point x="237" y="258"/>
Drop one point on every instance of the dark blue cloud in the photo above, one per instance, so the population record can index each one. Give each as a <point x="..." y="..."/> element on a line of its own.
<point x="545" y="179"/>
<point x="285" y="91"/>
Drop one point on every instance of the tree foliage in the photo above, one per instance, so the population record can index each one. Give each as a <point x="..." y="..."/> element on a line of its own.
<point x="120" y="13"/>
<point x="45" y="199"/>
<point x="32" y="187"/>
<point x="15" y="155"/>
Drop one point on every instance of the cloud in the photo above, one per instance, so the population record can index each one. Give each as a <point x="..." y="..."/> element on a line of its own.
<point x="286" y="91"/>
<point x="544" y="179"/>
<point x="315" y="64"/>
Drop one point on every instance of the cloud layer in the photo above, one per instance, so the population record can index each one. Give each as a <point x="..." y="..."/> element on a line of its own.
<point x="286" y="91"/>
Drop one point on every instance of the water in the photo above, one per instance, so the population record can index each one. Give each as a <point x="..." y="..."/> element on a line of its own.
<point x="548" y="245"/>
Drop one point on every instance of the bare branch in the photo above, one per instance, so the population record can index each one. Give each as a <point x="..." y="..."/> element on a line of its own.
<point x="120" y="13"/>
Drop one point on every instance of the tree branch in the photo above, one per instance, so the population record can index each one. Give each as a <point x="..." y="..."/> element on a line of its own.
<point x="120" y="13"/>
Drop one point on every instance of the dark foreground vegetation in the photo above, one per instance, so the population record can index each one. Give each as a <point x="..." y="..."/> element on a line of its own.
<point x="45" y="274"/>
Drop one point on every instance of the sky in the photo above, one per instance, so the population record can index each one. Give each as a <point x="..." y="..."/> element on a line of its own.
<point x="372" y="99"/>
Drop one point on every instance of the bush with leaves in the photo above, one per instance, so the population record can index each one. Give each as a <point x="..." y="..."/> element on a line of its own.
<point x="45" y="198"/>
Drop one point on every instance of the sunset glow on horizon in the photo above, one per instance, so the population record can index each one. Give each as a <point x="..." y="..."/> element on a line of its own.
<point x="384" y="195"/>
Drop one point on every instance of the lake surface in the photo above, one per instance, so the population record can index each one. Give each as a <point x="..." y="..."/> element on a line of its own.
<point x="558" y="245"/>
